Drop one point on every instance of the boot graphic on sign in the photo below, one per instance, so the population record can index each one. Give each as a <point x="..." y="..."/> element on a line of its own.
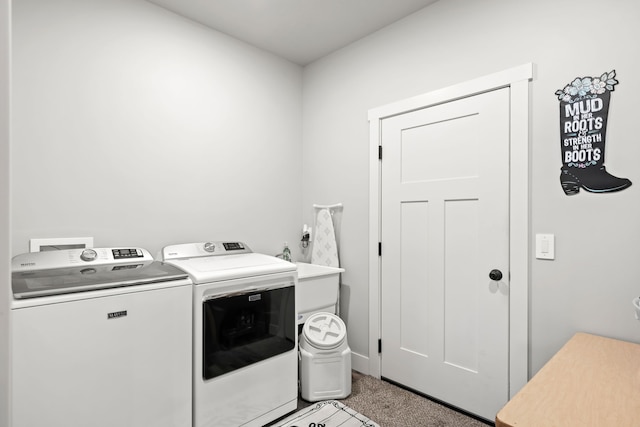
<point x="584" y="109"/>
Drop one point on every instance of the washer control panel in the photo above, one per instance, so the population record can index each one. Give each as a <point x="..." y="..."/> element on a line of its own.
<point x="127" y="253"/>
<point x="78" y="257"/>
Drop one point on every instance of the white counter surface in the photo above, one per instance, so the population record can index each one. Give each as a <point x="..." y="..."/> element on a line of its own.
<point x="306" y="270"/>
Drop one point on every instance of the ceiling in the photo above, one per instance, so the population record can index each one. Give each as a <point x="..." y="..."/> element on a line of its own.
<point x="298" y="30"/>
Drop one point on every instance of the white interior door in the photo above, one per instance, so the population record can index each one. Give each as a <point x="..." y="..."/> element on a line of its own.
<point x="445" y="227"/>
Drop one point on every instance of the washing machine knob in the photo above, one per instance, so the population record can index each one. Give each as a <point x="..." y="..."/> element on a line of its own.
<point x="88" y="255"/>
<point x="209" y="247"/>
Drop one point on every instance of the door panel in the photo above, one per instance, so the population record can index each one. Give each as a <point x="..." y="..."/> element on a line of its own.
<point x="461" y="293"/>
<point x="445" y="218"/>
<point x="418" y="165"/>
<point x="415" y="272"/>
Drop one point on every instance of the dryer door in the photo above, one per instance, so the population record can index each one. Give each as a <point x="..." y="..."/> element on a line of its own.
<point x="243" y="328"/>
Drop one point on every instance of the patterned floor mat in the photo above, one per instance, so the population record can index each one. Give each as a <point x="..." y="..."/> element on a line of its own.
<point x="329" y="413"/>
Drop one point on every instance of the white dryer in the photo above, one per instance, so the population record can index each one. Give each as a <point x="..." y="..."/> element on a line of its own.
<point x="245" y="359"/>
<point x="101" y="338"/>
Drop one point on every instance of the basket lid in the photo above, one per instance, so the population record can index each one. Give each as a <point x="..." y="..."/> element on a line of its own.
<point x="324" y="330"/>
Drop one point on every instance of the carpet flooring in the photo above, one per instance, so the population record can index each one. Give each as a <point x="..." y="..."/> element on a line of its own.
<point x="392" y="406"/>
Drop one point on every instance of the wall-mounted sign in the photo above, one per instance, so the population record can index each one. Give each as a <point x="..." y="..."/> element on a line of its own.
<point x="584" y="108"/>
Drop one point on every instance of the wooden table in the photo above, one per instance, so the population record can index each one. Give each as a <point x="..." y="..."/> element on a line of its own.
<point x="591" y="381"/>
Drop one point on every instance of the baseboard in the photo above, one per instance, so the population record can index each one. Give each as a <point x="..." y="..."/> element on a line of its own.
<point x="360" y="363"/>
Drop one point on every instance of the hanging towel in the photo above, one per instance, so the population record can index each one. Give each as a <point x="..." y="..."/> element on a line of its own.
<point x="325" y="249"/>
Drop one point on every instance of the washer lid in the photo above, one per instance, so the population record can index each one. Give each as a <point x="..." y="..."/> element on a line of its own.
<point x="325" y="330"/>
<point x="57" y="281"/>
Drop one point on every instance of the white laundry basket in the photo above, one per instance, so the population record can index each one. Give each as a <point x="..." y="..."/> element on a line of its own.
<point x="325" y="358"/>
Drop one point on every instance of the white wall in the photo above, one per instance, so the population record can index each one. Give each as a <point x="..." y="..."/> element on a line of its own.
<point x="5" y="233"/>
<point x="138" y="127"/>
<point x="590" y="285"/>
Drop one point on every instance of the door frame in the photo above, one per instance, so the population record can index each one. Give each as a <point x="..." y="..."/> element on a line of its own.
<point x="517" y="79"/>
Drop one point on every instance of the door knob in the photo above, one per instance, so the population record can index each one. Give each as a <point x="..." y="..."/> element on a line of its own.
<point x="495" y="275"/>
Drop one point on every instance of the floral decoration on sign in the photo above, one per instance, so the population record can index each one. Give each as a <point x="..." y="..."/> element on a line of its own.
<point x="581" y="87"/>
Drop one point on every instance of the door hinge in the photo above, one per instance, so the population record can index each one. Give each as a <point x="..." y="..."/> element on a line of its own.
<point x="379" y="248"/>
<point x="379" y="152"/>
<point x="379" y="346"/>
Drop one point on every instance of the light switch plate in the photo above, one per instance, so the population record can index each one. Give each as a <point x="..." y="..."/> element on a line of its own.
<point x="545" y="246"/>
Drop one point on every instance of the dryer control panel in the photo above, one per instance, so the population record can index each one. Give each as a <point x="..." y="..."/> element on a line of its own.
<point x="210" y="248"/>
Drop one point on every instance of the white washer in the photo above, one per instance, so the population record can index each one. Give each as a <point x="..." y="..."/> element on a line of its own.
<point x="245" y="359"/>
<point x="100" y="337"/>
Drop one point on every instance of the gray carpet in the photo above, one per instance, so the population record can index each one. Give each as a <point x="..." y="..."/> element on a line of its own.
<point x="392" y="406"/>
